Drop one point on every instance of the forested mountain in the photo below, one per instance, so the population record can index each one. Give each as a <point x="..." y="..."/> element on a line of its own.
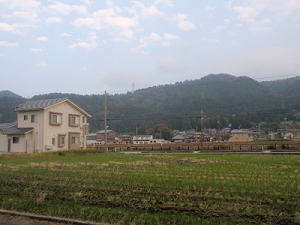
<point x="240" y="101"/>
<point x="289" y="89"/>
<point x="7" y="93"/>
<point x="6" y="108"/>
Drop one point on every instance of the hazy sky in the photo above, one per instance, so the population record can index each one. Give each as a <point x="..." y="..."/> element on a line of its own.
<point x="89" y="46"/>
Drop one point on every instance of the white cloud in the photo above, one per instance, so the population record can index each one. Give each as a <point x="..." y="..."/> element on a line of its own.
<point x="152" y="39"/>
<point x="53" y="20"/>
<point x="30" y="15"/>
<point x="210" y="8"/>
<point x="65" y="35"/>
<point x="183" y="23"/>
<point x="219" y="28"/>
<point x="146" y="12"/>
<point x="8" y="44"/>
<point x="35" y="50"/>
<point x="86" y="45"/>
<point x="287" y="7"/>
<point x="169" y="3"/>
<point x="109" y="3"/>
<point x="254" y="13"/>
<point x="261" y="28"/>
<point x="106" y="19"/>
<point x="107" y="22"/>
<point x="67" y="9"/>
<point x="43" y="39"/>
<point x="246" y="13"/>
<point x="210" y="40"/>
<point x="102" y="13"/>
<point x="9" y="28"/>
<point x="124" y="36"/>
<point x="228" y="4"/>
<point x="168" y="64"/>
<point x="169" y="37"/>
<point x="42" y="65"/>
<point x="88" y="2"/>
<point x="20" y="4"/>
<point x="91" y="44"/>
<point x="140" y="50"/>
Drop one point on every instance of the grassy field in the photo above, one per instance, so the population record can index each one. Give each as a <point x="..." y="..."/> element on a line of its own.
<point x="153" y="189"/>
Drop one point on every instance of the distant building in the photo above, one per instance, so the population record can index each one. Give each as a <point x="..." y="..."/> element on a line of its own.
<point x="239" y="135"/>
<point x="142" y="139"/>
<point x="112" y="136"/>
<point x="179" y="139"/>
<point x="125" y="139"/>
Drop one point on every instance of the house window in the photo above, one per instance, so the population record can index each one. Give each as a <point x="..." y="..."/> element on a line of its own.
<point x="75" y="140"/>
<point x="34" y="118"/>
<point x="53" y="141"/>
<point x="83" y="119"/>
<point x="74" y="120"/>
<point x="15" y="140"/>
<point x="25" y="117"/>
<point x="55" y="118"/>
<point x="61" y="140"/>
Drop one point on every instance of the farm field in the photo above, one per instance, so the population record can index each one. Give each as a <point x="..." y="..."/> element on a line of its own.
<point x="118" y="188"/>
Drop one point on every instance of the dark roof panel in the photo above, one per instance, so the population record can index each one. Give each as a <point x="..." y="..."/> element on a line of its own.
<point x="37" y="105"/>
<point x="16" y="130"/>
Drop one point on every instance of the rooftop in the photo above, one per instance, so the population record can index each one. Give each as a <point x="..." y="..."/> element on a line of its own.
<point x="15" y="130"/>
<point x="37" y="105"/>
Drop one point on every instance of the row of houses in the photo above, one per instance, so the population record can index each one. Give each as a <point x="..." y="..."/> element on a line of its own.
<point x="98" y="138"/>
<point x="234" y="135"/>
<point x="209" y="135"/>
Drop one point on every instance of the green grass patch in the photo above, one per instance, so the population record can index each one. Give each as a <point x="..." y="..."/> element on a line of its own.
<point x="153" y="188"/>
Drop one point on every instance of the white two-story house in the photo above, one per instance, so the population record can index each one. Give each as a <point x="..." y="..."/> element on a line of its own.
<point x="43" y="125"/>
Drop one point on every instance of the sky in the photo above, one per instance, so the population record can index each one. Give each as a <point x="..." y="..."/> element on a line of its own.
<point x="93" y="46"/>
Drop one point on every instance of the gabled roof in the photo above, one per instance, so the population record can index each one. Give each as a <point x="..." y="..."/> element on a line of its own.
<point x="44" y="104"/>
<point x="37" y="105"/>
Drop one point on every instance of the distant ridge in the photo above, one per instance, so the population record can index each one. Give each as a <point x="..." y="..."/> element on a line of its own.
<point x="7" y="93"/>
<point x="241" y="101"/>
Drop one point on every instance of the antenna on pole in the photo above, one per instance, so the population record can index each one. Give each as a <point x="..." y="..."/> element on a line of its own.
<point x="133" y="87"/>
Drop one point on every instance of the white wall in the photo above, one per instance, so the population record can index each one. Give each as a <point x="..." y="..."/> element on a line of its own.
<point x="3" y="143"/>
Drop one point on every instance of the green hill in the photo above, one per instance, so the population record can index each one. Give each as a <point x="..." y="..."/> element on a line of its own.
<point x="7" y="93"/>
<point x="240" y="101"/>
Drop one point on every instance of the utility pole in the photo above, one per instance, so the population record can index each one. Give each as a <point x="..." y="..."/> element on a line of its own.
<point x="105" y="124"/>
<point x="219" y="127"/>
<point x="196" y="134"/>
<point x="201" y="129"/>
